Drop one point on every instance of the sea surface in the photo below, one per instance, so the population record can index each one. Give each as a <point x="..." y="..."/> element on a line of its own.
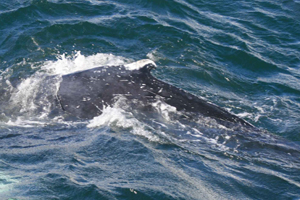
<point x="243" y="56"/>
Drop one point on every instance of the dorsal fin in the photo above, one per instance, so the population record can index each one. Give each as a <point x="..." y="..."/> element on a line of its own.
<point x="143" y="65"/>
<point x="148" y="67"/>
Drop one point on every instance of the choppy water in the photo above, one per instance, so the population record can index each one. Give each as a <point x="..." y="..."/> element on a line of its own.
<point x="241" y="55"/>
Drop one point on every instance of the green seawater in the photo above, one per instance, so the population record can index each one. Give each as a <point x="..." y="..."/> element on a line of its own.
<point x="243" y="56"/>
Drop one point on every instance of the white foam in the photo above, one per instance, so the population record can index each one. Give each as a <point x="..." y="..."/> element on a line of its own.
<point x="78" y="62"/>
<point x="117" y="118"/>
<point x="139" y="64"/>
<point x="20" y="122"/>
<point x="164" y="109"/>
<point x="113" y="116"/>
<point x="244" y="114"/>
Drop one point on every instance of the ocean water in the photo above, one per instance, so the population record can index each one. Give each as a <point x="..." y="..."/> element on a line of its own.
<point x="243" y="56"/>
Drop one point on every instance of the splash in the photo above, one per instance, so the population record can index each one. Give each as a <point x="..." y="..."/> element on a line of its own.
<point x="164" y="109"/>
<point x="78" y="62"/>
<point x="117" y="118"/>
<point x="32" y="98"/>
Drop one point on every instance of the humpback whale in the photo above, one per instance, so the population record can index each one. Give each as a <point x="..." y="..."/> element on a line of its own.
<point x="84" y="94"/>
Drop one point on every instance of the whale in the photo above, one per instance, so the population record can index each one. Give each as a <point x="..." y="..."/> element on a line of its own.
<point x="85" y="94"/>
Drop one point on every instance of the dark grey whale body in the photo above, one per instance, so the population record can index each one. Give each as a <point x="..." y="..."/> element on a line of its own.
<point x="84" y="94"/>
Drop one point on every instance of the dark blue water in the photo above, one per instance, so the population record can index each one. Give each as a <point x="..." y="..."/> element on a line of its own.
<point x="243" y="56"/>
